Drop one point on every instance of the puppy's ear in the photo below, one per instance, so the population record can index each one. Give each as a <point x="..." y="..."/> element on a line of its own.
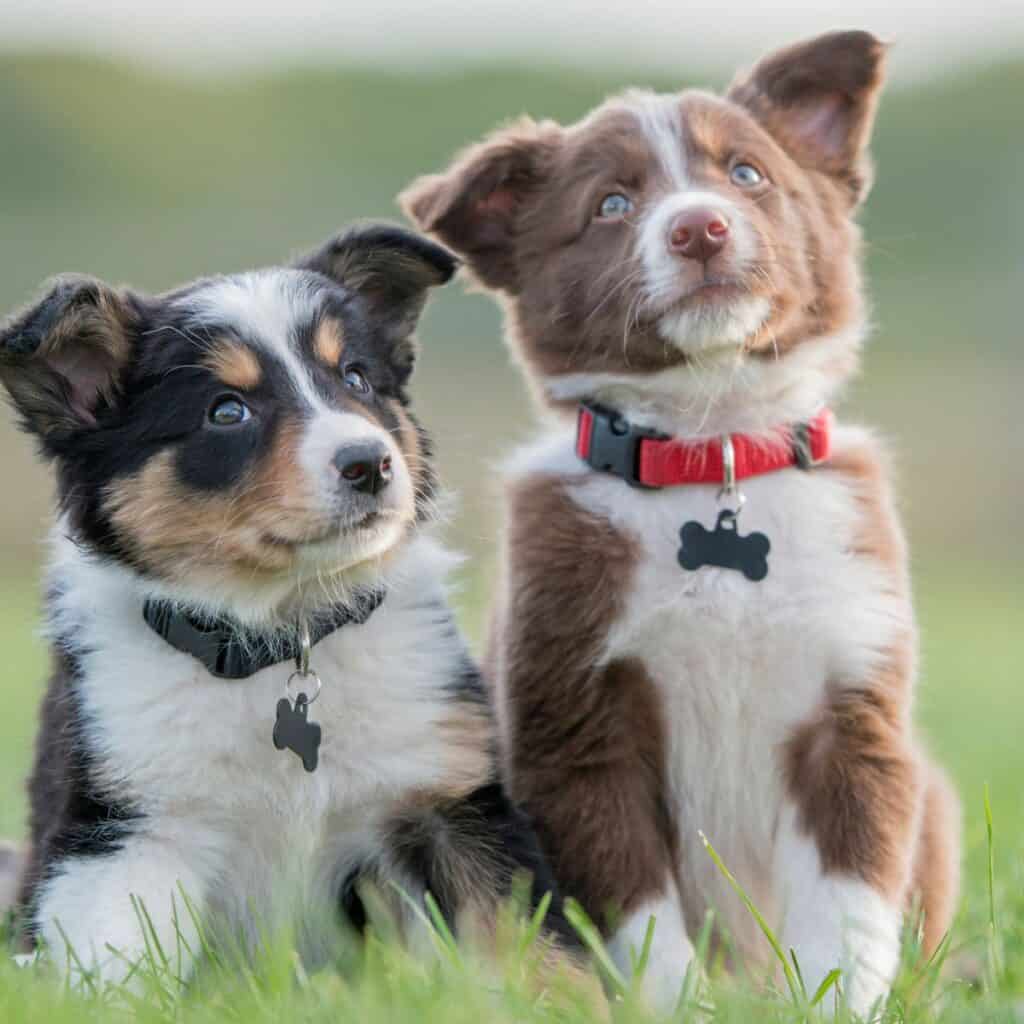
<point x="818" y="99"/>
<point x="474" y="206"/>
<point x="390" y="267"/>
<point x="62" y="360"/>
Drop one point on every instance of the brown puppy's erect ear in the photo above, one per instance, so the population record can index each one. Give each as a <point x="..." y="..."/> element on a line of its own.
<point x="62" y="359"/>
<point x="818" y="99"/>
<point x="474" y="205"/>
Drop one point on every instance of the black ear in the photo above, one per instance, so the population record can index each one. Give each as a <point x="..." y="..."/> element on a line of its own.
<point x="390" y="267"/>
<point x="818" y="99"/>
<point x="474" y="205"/>
<point x="62" y="359"/>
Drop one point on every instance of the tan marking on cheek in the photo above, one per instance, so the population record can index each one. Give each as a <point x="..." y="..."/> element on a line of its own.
<point x="180" y="532"/>
<point x="235" y="365"/>
<point x="176" y="531"/>
<point x="329" y="342"/>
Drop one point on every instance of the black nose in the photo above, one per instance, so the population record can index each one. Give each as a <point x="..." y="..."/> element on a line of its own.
<point x="365" y="467"/>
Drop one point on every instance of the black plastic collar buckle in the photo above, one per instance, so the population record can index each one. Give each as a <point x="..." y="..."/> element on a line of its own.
<point x="615" y="445"/>
<point x="802" y="448"/>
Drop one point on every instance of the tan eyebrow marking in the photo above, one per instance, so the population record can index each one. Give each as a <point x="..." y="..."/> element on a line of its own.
<point x="236" y="365"/>
<point x="329" y="342"/>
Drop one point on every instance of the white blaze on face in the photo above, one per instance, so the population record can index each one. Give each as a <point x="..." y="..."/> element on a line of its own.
<point x="329" y="432"/>
<point x="268" y="308"/>
<point x="669" y="279"/>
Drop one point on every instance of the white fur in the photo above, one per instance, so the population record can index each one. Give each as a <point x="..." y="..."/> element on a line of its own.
<point x="669" y="280"/>
<point x="267" y="306"/>
<point x="671" y="951"/>
<point x="834" y="922"/>
<point x="725" y="391"/>
<point x="739" y="665"/>
<point x="660" y="118"/>
<point x="240" y="825"/>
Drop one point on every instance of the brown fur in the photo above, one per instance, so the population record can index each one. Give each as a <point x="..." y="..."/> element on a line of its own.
<point x="237" y="366"/>
<point x="249" y="529"/>
<point x="520" y="206"/>
<point x="524" y="208"/>
<point x="329" y="342"/>
<point x="876" y="808"/>
<point x="81" y="350"/>
<point x="586" y="744"/>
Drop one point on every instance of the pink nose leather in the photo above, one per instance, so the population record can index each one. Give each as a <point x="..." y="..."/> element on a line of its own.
<point x="698" y="234"/>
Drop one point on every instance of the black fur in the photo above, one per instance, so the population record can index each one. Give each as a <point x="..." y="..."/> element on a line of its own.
<point x="480" y="841"/>
<point x="70" y="813"/>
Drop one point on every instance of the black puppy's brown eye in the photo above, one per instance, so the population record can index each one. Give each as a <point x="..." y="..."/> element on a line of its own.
<point x="356" y="380"/>
<point x="229" y="412"/>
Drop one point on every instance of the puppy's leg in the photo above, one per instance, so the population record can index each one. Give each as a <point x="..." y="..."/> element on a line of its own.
<point x="87" y="918"/>
<point x="584" y="736"/>
<point x="846" y="844"/>
<point x="936" y="880"/>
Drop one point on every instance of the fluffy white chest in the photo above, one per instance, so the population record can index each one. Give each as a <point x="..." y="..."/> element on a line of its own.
<point x="195" y="756"/>
<point x="739" y="664"/>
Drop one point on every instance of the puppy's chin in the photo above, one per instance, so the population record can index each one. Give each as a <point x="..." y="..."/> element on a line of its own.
<point x="705" y="325"/>
<point x="359" y="548"/>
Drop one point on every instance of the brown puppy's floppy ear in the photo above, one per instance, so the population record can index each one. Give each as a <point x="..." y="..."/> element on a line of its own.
<point x="391" y="268"/>
<point x="62" y="359"/>
<point x="818" y="99"/>
<point x="474" y="205"/>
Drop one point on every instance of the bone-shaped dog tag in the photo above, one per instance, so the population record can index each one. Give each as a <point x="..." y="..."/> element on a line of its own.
<point x="724" y="547"/>
<point x="293" y="731"/>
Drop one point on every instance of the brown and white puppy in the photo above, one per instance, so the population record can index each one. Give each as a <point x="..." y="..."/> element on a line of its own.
<point x="237" y="460"/>
<point x="691" y="263"/>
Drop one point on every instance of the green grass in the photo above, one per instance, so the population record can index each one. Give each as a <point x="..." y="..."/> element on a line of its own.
<point x="969" y="711"/>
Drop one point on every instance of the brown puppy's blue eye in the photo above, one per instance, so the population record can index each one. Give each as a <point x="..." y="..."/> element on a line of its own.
<point x="355" y="379"/>
<point x="745" y="175"/>
<point x="229" y="412"/>
<point x="615" y="206"/>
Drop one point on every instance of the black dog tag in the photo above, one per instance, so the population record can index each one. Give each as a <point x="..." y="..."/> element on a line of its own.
<point x="294" y="731"/>
<point x="724" y="547"/>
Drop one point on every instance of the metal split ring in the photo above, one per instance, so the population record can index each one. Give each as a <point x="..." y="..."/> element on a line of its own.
<point x="310" y="697"/>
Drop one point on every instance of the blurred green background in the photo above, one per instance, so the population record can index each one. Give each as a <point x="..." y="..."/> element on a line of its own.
<point x="153" y="179"/>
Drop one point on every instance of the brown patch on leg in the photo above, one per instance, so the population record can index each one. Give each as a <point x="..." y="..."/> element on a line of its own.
<point x="329" y="342"/>
<point x="585" y="742"/>
<point x="855" y="781"/>
<point x="853" y="770"/>
<point x="936" y="879"/>
<point x="235" y="365"/>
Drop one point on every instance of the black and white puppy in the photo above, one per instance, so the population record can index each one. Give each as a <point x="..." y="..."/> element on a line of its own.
<point x="243" y="489"/>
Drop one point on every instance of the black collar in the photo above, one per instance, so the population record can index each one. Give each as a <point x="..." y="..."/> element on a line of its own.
<point x="230" y="651"/>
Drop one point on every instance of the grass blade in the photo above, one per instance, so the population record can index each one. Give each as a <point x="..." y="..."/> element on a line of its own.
<point x="795" y="990"/>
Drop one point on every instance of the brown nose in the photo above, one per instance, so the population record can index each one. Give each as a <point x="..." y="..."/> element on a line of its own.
<point x="698" y="234"/>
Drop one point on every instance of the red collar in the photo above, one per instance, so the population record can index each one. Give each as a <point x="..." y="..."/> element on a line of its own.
<point x="645" y="458"/>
